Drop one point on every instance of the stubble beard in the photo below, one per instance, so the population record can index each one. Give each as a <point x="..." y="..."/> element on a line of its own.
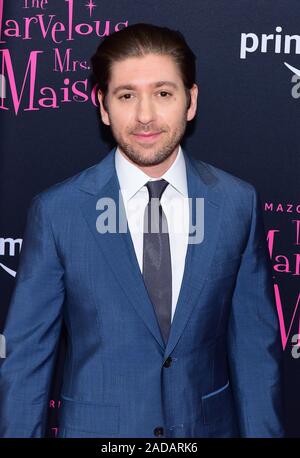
<point x="156" y="155"/>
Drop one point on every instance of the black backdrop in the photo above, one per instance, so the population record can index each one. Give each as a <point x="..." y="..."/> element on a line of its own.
<point x="247" y="122"/>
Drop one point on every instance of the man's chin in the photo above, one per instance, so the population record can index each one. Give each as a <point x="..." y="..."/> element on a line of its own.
<point x="145" y="157"/>
<point x="148" y="160"/>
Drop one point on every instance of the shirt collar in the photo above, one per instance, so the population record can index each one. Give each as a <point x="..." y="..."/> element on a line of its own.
<point x="132" y="178"/>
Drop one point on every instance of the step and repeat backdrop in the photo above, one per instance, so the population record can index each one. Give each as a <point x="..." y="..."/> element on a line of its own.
<point x="248" y="72"/>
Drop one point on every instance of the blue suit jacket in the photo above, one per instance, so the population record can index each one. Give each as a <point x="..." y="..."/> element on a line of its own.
<point x="218" y="375"/>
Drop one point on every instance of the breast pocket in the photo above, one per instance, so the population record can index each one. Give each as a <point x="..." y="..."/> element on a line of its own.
<point x="87" y="419"/>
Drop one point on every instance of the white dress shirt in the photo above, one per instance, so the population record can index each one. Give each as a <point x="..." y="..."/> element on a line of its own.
<point x="174" y="202"/>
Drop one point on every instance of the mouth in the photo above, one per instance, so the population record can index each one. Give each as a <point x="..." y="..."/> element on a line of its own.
<point x="149" y="137"/>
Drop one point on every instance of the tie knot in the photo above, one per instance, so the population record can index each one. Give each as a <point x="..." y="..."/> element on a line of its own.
<point x="156" y="188"/>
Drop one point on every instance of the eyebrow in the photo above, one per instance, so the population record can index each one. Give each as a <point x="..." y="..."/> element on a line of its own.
<point x="131" y="87"/>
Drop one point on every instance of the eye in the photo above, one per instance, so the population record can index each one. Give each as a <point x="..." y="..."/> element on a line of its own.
<point x="165" y="94"/>
<point x="125" y="97"/>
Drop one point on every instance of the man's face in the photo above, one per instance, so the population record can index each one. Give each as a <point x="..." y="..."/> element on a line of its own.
<point x="147" y="108"/>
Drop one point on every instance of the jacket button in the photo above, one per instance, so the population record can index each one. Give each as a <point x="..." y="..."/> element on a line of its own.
<point x="159" y="431"/>
<point x="168" y="362"/>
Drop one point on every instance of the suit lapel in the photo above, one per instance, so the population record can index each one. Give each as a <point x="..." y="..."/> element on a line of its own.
<point x="101" y="182"/>
<point x="201" y="183"/>
<point x="118" y="247"/>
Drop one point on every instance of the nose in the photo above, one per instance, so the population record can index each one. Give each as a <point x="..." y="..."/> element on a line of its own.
<point x="145" y="110"/>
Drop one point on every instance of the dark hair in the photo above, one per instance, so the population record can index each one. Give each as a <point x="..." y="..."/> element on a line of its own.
<point x="138" y="40"/>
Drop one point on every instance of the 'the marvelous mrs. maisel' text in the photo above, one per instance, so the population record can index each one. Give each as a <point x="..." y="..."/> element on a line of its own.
<point x="28" y="96"/>
<point x="54" y="28"/>
<point x="22" y="80"/>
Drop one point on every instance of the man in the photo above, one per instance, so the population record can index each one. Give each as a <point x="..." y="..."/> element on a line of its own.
<point x="168" y="334"/>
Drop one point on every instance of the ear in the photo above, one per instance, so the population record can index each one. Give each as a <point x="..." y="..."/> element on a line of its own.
<point x="193" y="107"/>
<point x="103" y="112"/>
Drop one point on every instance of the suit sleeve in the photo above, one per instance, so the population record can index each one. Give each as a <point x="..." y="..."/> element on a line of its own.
<point x="32" y="330"/>
<point x="254" y="345"/>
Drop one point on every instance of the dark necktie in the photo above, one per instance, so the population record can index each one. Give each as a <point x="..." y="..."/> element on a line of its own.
<point x="157" y="270"/>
